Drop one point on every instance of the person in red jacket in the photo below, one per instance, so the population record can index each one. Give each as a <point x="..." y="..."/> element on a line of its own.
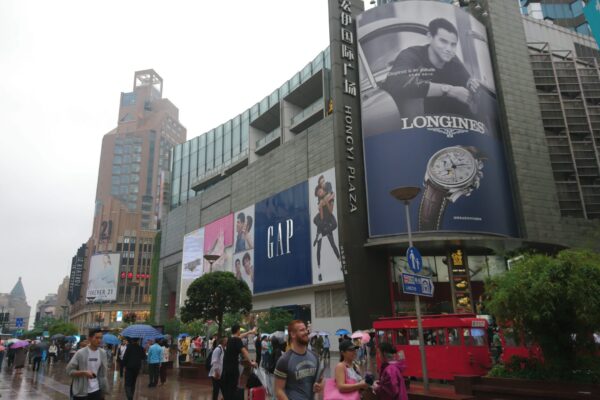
<point x="390" y="385"/>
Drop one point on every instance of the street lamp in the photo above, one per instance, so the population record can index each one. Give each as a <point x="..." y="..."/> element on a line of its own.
<point x="211" y="258"/>
<point x="405" y="194"/>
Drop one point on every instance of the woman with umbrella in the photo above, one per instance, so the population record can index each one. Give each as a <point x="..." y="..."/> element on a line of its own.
<point x="20" y="355"/>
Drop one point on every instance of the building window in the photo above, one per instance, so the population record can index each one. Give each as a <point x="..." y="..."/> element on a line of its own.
<point x="331" y="303"/>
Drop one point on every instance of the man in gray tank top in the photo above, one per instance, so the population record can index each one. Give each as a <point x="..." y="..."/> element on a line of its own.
<point x="297" y="374"/>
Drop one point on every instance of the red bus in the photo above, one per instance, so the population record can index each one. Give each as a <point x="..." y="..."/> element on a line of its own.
<point x="455" y="344"/>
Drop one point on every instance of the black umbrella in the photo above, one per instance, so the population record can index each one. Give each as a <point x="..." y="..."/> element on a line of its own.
<point x="58" y="336"/>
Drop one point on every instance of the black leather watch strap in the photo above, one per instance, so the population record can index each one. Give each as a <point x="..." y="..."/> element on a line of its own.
<point x="431" y="210"/>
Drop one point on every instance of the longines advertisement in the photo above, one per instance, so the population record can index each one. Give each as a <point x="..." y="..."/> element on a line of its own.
<point x="430" y="120"/>
<point x="102" y="280"/>
<point x="192" y="260"/>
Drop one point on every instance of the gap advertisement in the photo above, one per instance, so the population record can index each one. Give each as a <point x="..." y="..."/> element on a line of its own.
<point x="430" y="120"/>
<point x="282" y="240"/>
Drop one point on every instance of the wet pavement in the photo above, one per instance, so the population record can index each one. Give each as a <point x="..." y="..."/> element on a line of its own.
<point x="51" y="382"/>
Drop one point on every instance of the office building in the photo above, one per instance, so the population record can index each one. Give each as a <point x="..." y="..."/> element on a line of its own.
<point x="14" y="310"/>
<point x="113" y="268"/>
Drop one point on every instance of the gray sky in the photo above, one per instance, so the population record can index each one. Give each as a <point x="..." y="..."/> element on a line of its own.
<point x="63" y="65"/>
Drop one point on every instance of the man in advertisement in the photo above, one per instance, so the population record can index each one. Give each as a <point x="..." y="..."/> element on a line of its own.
<point x="430" y="78"/>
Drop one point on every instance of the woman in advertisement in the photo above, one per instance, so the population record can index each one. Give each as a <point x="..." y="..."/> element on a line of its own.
<point x="325" y="220"/>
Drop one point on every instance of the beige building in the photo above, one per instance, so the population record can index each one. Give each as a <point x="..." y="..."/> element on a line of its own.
<point x="14" y="310"/>
<point x="131" y="197"/>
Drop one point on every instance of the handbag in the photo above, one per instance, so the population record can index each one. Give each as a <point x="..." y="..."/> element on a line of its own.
<point x="331" y="391"/>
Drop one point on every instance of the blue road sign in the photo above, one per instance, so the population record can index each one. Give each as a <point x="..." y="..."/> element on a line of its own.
<point x="414" y="259"/>
<point x="19" y="322"/>
<point x="417" y="285"/>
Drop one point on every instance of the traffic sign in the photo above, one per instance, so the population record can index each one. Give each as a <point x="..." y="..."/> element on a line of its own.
<point x="19" y="322"/>
<point x="414" y="259"/>
<point x="417" y="285"/>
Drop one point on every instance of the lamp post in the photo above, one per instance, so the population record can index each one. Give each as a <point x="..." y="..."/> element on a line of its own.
<point x="405" y="194"/>
<point x="211" y="258"/>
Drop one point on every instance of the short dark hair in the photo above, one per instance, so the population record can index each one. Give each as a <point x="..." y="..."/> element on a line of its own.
<point x="387" y="348"/>
<point x="246" y="257"/>
<point x="241" y="217"/>
<point x="441" y="23"/>
<point x="235" y="328"/>
<point x="92" y="332"/>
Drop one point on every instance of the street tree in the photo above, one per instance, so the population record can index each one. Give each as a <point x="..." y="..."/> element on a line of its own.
<point x="555" y="301"/>
<point x="214" y="294"/>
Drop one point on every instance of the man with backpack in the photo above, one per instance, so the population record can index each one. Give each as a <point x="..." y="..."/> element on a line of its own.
<point x="214" y="364"/>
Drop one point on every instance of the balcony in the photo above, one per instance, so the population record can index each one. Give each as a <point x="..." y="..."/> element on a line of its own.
<point x="214" y="175"/>
<point x="269" y="142"/>
<point x="307" y="117"/>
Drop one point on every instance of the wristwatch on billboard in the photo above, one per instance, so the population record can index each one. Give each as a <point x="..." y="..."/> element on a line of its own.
<point x="451" y="172"/>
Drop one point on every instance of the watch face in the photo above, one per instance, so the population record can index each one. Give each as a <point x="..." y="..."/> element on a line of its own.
<point x="452" y="167"/>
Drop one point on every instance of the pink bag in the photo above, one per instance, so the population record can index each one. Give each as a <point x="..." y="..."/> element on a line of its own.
<point x="331" y="391"/>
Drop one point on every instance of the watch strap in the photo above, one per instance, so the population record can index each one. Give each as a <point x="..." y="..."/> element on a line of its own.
<point x="432" y="207"/>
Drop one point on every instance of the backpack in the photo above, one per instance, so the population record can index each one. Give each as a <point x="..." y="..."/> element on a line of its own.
<point x="208" y="360"/>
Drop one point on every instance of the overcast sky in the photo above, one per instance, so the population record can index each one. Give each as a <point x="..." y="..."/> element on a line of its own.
<point x="63" y="65"/>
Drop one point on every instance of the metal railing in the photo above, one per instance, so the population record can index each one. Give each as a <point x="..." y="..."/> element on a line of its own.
<point x="275" y="133"/>
<point x="307" y="111"/>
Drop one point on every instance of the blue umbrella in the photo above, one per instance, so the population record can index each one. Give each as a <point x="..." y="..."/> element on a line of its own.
<point x="140" y="331"/>
<point x="342" y="332"/>
<point x="182" y="335"/>
<point x="71" y="339"/>
<point x="110" y="339"/>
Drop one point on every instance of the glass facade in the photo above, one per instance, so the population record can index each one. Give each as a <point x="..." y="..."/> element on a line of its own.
<point x="567" y="14"/>
<point x="218" y="148"/>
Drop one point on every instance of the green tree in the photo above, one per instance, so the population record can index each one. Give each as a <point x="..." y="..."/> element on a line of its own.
<point x="214" y="294"/>
<point x="173" y="327"/>
<point x="553" y="300"/>
<point x="276" y="319"/>
<point x="66" y="328"/>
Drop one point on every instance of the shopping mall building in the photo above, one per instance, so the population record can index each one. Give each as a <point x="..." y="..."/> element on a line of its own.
<point x="492" y="115"/>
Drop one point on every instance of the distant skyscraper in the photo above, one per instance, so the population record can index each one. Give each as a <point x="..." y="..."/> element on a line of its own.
<point x="131" y="192"/>
<point x="568" y="14"/>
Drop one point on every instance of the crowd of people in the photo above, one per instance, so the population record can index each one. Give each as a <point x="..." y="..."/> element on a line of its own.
<point x="289" y="367"/>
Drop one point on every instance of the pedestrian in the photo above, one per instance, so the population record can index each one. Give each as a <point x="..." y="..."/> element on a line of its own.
<point x="165" y="361"/>
<point x="347" y="376"/>
<point x="52" y="353"/>
<point x="120" y="354"/>
<point x="326" y="346"/>
<point x="216" y="366"/>
<point x="258" y="348"/>
<point x="183" y="349"/>
<point x="154" y="359"/>
<point x="88" y="368"/>
<point x="297" y="375"/>
<point x="10" y="356"/>
<point x="265" y="350"/>
<point x="132" y="361"/>
<point x="2" y="351"/>
<point x="231" y="366"/>
<point x="390" y="385"/>
<point x="36" y="354"/>
<point x="496" y="346"/>
<point x="20" y="355"/>
<point x="109" y="355"/>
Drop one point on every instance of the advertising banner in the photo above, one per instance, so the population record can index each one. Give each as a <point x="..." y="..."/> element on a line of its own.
<point x="282" y="241"/>
<point x="325" y="252"/>
<point x="192" y="261"/>
<point x="430" y="119"/>
<point x="102" y="280"/>
<point x="218" y="239"/>
<point x="592" y="15"/>
<point x="243" y="258"/>
<point x="75" y="278"/>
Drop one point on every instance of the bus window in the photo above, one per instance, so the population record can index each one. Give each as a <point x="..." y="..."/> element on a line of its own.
<point x="413" y="337"/>
<point x="440" y="336"/>
<point x="429" y="337"/>
<point x="401" y="337"/>
<point x="453" y="337"/>
<point x="474" y="336"/>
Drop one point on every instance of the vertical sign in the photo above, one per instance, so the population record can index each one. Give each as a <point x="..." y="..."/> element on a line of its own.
<point x="460" y="282"/>
<point x="75" y="277"/>
<point x="348" y="153"/>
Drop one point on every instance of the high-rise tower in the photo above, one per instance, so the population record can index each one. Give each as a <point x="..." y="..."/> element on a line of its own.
<point x="132" y="180"/>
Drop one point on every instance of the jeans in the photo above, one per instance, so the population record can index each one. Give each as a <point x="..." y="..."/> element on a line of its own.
<point x="153" y="370"/>
<point x="131" y="375"/>
<point x="36" y="363"/>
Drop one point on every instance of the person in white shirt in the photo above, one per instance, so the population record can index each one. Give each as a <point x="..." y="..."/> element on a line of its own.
<point x="120" y="354"/>
<point x="164" y="362"/>
<point x="88" y="370"/>
<point x="216" y="366"/>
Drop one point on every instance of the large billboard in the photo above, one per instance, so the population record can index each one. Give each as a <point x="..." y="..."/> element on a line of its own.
<point x="430" y="119"/>
<point x="282" y="241"/>
<point x="102" y="279"/>
<point x="325" y="251"/>
<point x="218" y="240"/>
<point x="192" y="261"/>
<point x="243" y="257"/>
